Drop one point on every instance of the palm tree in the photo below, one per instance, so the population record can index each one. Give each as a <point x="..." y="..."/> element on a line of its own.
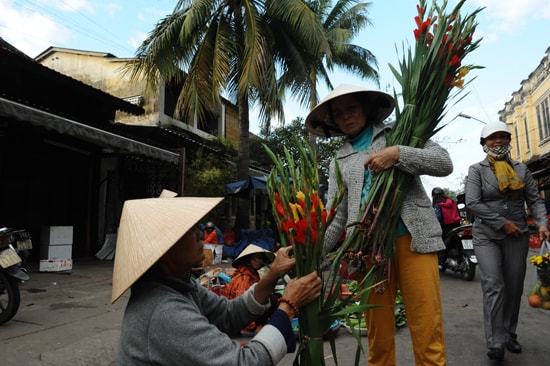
<point x="341" y="23"/>
<point x="214" y="46"/>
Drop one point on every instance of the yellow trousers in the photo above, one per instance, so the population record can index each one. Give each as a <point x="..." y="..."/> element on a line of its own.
<point x="417" y="275"/>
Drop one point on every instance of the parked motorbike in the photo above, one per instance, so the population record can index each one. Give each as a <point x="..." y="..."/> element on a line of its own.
<point x="12" y="242"/>
<point x="459" y="254"/>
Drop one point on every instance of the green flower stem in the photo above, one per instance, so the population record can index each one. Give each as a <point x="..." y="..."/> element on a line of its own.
<point x="311" y="352"/>
<point x="286" y="180"/>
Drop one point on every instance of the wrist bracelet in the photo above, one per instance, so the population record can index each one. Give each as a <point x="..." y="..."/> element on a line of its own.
<point x="291" y="304"/>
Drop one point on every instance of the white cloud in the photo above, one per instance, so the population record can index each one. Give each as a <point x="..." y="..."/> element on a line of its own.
<point x="136" y="39"/>
<point x="30" y="31"/>
<point x="507" y="16"/>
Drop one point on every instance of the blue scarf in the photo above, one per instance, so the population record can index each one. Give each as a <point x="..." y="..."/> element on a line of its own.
<point x="361" y="143"/>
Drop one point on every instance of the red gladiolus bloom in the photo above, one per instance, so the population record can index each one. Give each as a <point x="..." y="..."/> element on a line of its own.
<point x="300" y="228"/>
<point x="455" y="61"/>
<point x="418" y="22"/>
<point x="279" y="205"/>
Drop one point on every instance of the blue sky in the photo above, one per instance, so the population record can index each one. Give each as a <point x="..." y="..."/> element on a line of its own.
<point x="515" y="39"/>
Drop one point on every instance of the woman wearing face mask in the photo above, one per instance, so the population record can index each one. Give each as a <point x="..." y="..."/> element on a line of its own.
<point x="497" y="190"/>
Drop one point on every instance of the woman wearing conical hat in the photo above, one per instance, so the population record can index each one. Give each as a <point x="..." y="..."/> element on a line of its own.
<point x="172" y="320"/>
<point x="247" y="266"/>
<point x="358" y="114"/>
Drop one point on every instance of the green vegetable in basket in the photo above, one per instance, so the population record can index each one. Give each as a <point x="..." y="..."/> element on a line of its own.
<point x="353" y="286"/>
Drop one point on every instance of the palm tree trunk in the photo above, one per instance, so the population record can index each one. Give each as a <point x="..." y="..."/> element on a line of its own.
<point x="242" y="219"/>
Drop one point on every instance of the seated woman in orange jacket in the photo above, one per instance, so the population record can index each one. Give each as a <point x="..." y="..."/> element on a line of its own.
<point x="246" y="274"/>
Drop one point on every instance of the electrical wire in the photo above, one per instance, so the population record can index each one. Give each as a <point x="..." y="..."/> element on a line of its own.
<point x="87" y="27"/>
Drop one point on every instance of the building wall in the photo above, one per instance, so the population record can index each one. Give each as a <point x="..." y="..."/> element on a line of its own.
<point x="531" y="130"/>
<point x="232" y="124"/>
<point x="106" y="72"/>
<point x="527" y="114"/>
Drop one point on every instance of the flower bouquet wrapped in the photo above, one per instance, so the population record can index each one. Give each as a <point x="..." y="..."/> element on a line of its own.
<point x="301" y="220"/>
<point x="429" y="77"/>
<point x="539" y="296"/>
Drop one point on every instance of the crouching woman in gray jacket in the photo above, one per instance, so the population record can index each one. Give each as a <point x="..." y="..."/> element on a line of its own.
<point x="171" y="319"/>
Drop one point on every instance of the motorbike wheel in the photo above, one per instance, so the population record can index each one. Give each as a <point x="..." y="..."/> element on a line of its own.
<point x="9" y="297"/>
<point x="468" y="271"/>
<point x="441" y="259"/>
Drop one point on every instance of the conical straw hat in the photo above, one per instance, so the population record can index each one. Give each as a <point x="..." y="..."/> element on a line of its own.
<point x="167" y="194"/>
<point x="251" y="249"/>
<point x="319" y="121"/>
<point x="148" y="228"/>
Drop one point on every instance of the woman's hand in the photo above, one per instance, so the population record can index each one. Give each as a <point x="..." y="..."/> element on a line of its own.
<point x="544" y="233"/>
<point x="281" y="265"/>
<point x="383" y="159"/>
<point x="283" y="262"/>
<point x="512" y="229"/>
<point x="300" y="292"/>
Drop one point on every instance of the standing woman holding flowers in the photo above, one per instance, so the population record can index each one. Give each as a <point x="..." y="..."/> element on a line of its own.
<point x="497" y="190"/>
<point x="358" y="114"/>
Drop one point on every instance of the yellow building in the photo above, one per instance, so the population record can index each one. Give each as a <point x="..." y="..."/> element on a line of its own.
<point x="528" y="116"/>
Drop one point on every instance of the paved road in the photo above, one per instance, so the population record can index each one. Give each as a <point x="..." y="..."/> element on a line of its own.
<point x="67" y="319"/>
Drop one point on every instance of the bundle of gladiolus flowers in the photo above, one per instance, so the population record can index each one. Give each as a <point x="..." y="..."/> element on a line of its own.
<point x="296" y="222"/>
<point x="429" y="77"/>
<point x="302" y="220"/>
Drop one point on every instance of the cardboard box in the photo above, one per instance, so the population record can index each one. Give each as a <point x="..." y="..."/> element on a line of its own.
<point x="207" y="258"/>
<point x="56" y="235"/>
<point x="55" y="265"/>
<point x="217" y="253"/>
<point x="57" y="252"/>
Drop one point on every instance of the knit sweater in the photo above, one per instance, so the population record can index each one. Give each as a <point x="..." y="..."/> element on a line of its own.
<point x="417" y="212"/>
<point x="172" y="322"/>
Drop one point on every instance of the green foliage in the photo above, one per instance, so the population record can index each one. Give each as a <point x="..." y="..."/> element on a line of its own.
<point x="207" y="175"/>
<point x="359" y="321"/>
<point x="283" y="137"/>
<point x="252" y="52"/>
<point x="400" y="317"/>
<point x="341" y="21"/>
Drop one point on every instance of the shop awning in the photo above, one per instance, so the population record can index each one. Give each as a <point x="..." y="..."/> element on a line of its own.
<point x="49" y="121"/>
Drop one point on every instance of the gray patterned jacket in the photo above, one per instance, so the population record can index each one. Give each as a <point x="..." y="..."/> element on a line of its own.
<point x="417" y="212"/>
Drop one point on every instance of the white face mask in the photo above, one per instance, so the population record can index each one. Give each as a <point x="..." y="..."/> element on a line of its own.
<point x="498" y="152"/>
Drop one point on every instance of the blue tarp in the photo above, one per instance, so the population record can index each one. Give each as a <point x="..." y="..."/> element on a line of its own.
<point x="262" y="238"/>
<point x="243" y="186"/>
